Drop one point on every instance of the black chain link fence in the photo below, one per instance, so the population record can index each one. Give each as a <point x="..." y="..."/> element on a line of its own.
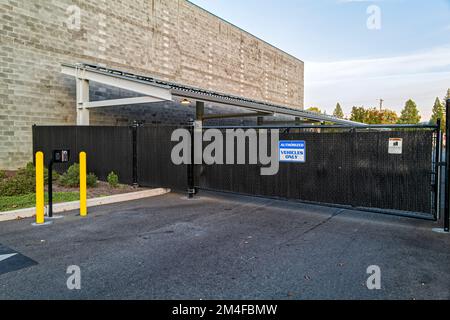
<point x="343" y="167"/>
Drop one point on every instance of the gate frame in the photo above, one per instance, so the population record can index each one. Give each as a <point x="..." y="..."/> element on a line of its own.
<point x="439" y="167"/>
<point x="435" y="163"/>
<point x="447" y="168"/>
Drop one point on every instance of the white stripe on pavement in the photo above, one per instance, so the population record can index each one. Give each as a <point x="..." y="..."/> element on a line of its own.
<point x="6" y="256"/>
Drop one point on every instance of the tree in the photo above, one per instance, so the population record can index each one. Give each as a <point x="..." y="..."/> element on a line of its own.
<point x="338" y="113"/>
<point x="438" y="113"/>
<point x="314" y="109"/>
<point x="377" y="116"/>
<point x="410" y="113"/>
<point x="388" y="116"/>
<point x="358" y="114"/>
<point x="373" y="116"/>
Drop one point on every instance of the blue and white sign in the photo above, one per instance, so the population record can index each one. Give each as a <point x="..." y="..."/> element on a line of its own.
<point x="292" y="151"/>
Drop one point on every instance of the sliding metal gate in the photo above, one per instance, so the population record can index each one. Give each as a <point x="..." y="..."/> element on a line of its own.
<point x="154" y="164"/>
<point x="344" y="166"/>
<point x="348" y="167"/>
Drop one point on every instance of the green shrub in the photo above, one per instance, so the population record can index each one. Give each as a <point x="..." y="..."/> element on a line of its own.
<point x="27" y="171"/>
<point x="55" y="175"/>
<point x="29" y="168"/>
<point x="30" y="171"/>
<point x="113" y="179"/>
<point x="22" y="183"/>
<point x="16" y="187"/>
<point x="71" y="178"/>
<point x="2" y="175"/>
<point x="91" y="180"/>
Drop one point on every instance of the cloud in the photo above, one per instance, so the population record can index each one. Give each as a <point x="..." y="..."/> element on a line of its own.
<point x="431" y="60"/>
<point x="421" y="76"/>
<point x="351" y="1"/>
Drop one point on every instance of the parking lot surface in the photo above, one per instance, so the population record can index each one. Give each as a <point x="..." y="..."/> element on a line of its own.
<point x="221" y="246"/>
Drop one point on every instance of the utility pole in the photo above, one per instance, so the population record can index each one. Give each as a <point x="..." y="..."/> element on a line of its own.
<point x="381" y="104"/>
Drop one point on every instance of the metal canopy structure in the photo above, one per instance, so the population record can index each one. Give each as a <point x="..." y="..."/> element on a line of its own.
<point x="154" y="90"/>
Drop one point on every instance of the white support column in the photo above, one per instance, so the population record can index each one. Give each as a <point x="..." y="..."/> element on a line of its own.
<point x="82" y="100"/>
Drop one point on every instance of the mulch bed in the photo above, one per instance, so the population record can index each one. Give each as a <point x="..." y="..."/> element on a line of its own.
<point x="101" y="190"/>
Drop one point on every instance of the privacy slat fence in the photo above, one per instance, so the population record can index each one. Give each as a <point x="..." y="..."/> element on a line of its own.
<point x="343" y="167"/>
<point x="109" y="148"/>
<point x="154" y="164"/>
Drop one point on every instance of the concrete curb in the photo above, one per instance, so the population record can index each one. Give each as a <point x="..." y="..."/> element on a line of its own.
<point x="68" y="206"/>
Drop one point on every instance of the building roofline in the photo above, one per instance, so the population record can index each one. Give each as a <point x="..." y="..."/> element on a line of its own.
<point x="245" y="31"/>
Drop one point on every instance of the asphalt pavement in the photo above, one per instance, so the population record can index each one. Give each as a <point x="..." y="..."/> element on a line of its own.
<point x="221" y="246"/>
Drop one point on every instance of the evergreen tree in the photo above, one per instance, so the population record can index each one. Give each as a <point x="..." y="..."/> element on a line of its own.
<point x="447" y="97"/>
<point x="438" y="113"/>
<point x="410" y="113"/>
<point x="338" y="113"/>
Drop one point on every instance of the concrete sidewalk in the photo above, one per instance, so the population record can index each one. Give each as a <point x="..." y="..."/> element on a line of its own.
<point x="224" y="247"/>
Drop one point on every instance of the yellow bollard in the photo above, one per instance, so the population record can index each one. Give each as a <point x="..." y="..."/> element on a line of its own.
<point x="83" y="186"/>
<point x="39" y="187"/>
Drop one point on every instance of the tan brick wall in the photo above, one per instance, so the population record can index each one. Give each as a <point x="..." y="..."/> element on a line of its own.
<point x="169" y="39"/>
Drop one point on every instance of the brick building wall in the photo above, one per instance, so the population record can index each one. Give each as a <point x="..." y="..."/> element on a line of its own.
<point x="169" y="39"/>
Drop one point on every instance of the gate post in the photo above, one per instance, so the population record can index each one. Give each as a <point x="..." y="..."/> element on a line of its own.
<point x="134" y="129"/>
<point x="447" y="167"/>
<point x="437" y="175"/>
<point x="190" y="166"/>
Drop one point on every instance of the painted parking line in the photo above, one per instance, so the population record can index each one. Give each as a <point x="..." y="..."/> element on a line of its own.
<point x="11" y="260"/>
<point x="6" y="256"/>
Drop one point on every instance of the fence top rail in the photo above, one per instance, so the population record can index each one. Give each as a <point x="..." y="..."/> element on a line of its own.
<point x="144" y="125"/>
<point x="381" y="126"/>
<point x="376" y="126"/>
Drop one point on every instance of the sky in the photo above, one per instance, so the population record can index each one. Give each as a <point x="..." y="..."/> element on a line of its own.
<point x="356" y="52"/>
